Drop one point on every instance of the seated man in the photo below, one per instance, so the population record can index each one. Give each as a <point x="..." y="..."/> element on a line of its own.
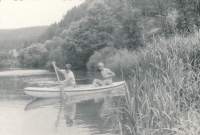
<point x="107" y="75"/>
<point x="69" y="75"/>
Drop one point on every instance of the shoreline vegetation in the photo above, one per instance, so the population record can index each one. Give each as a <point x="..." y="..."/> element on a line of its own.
<point x="155" y="44"/>
<point x="163" y="89"/>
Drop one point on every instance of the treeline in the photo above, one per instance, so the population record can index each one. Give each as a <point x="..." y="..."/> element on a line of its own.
<point x="98" y="29"/>
<point x="18" y="38"/>
<point x="13" y="40"/>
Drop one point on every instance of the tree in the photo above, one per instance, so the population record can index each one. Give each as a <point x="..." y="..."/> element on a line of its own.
<point x="35" y="56"/>
<point x="49" y="33"/>
<point x="54" y="43"/>
<point x="55" y="55"/>
<point x="91" y="33"/>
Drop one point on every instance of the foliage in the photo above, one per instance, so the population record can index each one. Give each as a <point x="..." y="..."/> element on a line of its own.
<point x="4" y="56"/>
<point x="35" y="56"/>
<point x="163" y="92"/>
<point x="3" y="59"/>
<point x="101" y="56"/>
<point x="95" y="26"/>
<point x="122" y="24"/>
<point x="122" y="60"/>
<point x="48" y="34"/>
<point x="75" y="14"/>
<point x="54" y="43"/>
<point x="55" y="55"/>
<point x="9" y="63"/>
<point x="91" y="33"/>
<point x="7" y="60"/>
<point x="15" y="38"/>
<point x="128" y="32"/>
<point x="187" y="19"/>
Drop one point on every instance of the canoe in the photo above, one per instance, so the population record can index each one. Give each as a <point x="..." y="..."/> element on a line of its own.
<point x="54" y="92"/>
<point x="97" y="97"/>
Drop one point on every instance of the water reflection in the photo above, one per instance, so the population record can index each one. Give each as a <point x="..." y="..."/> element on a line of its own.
<point x="68" y="107"/>
<point x="107" y="106"/>
<point x="36" y="103"/>
<point x="81" y="110"/>
<point x="21" y="114"/>
<point x="70" y="112"/>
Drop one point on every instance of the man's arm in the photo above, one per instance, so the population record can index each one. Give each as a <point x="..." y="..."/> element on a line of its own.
<point x="110" y="73"/>
<point x="56" y="67"/>
<point x="69" y="81"/>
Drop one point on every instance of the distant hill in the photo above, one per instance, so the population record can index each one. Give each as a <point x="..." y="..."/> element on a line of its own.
<point x="17" y="38"/>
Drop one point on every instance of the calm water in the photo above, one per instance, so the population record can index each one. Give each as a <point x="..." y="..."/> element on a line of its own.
<point x="21" y="114"/>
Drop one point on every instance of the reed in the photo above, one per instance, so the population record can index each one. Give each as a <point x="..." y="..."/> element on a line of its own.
<point x="163" y="89"/>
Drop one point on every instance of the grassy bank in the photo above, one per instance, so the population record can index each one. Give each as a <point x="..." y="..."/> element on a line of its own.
<point x="163" y="87"/>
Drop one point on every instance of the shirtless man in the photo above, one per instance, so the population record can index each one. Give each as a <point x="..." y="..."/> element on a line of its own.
<point x="107" y="75"/>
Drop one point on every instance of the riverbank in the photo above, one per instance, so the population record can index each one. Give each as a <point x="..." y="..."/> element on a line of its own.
<point x="163" y="95"/>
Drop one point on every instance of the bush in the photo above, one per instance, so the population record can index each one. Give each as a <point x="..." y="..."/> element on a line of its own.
<point x="6" y="60"/>
<point x="122" y="60"/>
<point x="35" y="56"/>
<point x="4" y="56"/>
<point x="100" y="56"/>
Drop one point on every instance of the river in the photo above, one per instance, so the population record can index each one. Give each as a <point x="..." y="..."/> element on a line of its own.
<point x="21" y="114"/>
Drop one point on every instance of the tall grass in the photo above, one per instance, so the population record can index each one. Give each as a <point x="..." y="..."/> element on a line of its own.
<point x="163" y="90"/>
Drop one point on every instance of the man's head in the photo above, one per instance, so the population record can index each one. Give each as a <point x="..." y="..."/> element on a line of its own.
<point x="101" y="65"/>
<point x="67" y="68"/>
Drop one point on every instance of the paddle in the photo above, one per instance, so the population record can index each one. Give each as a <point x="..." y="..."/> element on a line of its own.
<point x="62" y="91"/>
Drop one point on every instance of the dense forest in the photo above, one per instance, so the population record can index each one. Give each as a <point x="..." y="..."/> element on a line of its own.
<point x="98" y="29"/>
<point x="13" y="40"/>
<point x="105" y="25"/>
<point x="18" y="38"/>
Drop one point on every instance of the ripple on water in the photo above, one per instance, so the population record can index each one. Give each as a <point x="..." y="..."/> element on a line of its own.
<point x="23" y="72"/>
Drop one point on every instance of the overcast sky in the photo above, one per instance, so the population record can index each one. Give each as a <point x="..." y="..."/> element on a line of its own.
<point x="26" y="13"/>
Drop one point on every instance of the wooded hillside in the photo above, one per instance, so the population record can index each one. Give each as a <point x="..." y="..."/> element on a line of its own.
<point x="16" y="38"/>
<point x="91" y="31"/>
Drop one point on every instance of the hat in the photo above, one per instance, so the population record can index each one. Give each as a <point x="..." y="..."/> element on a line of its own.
<point x="67" y="66"/>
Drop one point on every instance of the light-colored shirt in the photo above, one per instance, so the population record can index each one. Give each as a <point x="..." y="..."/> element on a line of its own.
<point x="69" y="77"/>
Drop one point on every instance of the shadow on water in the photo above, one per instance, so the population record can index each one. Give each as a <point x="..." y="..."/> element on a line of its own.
<point x="80" y="109"/>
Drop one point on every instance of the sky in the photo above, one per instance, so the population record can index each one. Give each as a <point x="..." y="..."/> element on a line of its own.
<point x="27" y="13"/>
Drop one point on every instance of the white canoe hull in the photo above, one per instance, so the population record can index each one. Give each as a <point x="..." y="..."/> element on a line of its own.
<point x="55" y="91"/>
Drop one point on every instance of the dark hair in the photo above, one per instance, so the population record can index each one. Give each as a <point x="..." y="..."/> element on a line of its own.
<point x="67" y="66"/>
